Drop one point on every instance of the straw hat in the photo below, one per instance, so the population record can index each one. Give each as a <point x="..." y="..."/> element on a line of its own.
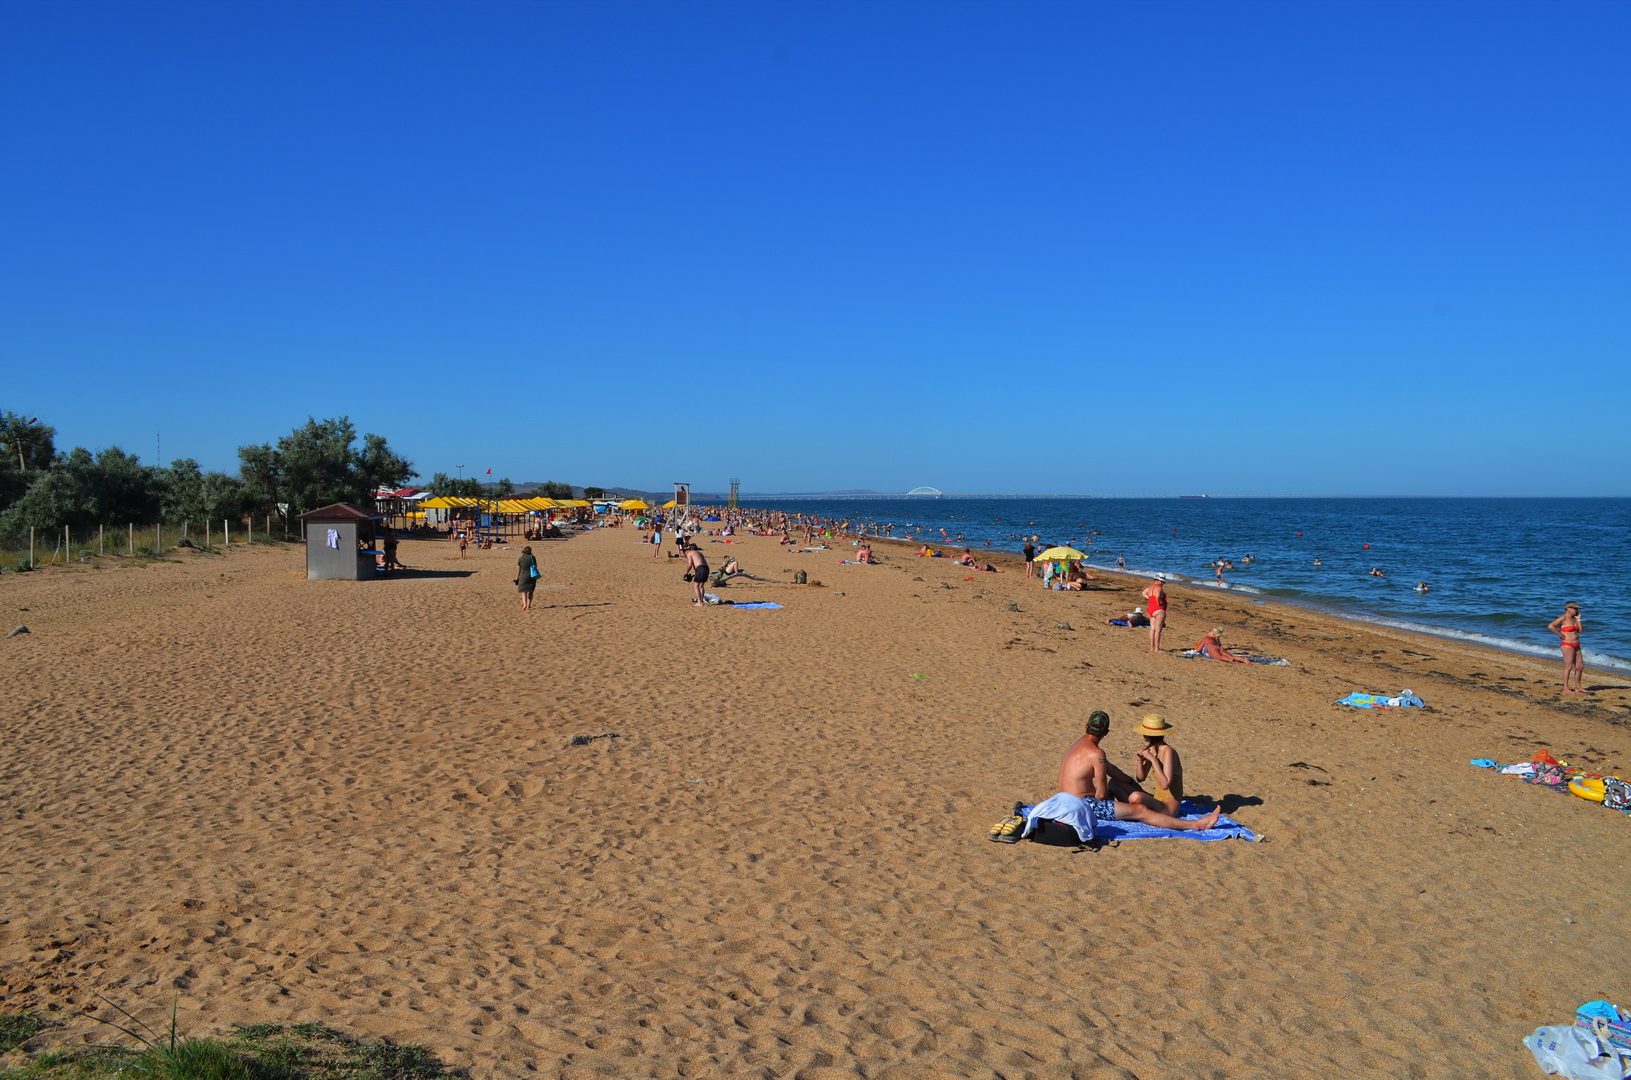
<point x="1154" y="725"/>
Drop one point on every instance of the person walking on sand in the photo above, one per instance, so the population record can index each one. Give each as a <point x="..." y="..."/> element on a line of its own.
<point x="464" y="542"/>
<point x="1087" y="774"/>
<point x="1155" y="596"/>
<point x="1567" y="627"/>
<point x="657" y="540"/>
<point x="526" y="577"/>
<point x="1158" y="763"/>
<point x="696" y="569"/>
<point x="1030" y="559"/>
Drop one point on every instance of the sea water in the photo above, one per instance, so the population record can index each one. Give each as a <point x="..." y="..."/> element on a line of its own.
<point x="1497" y="570"/>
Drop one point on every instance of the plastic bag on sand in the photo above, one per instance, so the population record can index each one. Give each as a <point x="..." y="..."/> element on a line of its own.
<point x="1575" y="1053"/>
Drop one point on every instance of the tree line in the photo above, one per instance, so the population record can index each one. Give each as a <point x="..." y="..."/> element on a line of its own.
<point x="318" y="463"/>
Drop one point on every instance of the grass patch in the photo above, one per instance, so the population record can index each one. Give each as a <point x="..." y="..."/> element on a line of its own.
<point x="18" y="1028"/>
<point x="251" y="1052"/>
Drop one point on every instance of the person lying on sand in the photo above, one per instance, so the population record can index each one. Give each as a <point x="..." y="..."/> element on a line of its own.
<point x="1211" y="647"/>
<point x="1135" y="617"/>
<point x="1087" y="774"/>
<point x="986" y="569"/>
<point x="928" y="552"/>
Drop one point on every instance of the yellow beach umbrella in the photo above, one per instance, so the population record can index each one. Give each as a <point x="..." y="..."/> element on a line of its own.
<point x="634" y="504"/>
<point x="1055" y="553"/>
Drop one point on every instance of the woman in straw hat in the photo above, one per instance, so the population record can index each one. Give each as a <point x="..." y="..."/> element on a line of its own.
<point x="1158" y="763"/>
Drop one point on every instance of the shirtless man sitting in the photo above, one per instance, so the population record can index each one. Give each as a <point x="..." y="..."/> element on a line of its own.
<point x="864" y="555"/>
<point x="1088" y="774"/>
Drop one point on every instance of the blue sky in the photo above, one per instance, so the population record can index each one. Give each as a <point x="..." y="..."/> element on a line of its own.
<point x="1104" y="248"/>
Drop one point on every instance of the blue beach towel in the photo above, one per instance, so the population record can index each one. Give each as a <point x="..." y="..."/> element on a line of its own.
<point x="754" y="605"/>
<point x="1227" y="827"/>
<point x="1405" y="700"/>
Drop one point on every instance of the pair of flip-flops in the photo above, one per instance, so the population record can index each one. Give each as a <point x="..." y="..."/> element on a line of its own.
<point x="1008" y="829"/>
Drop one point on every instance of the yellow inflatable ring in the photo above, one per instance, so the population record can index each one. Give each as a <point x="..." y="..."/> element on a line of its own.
<point x="1587" y="788"/>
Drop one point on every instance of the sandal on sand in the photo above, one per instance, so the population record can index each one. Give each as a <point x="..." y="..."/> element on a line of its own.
<point x="1007" y="830"/>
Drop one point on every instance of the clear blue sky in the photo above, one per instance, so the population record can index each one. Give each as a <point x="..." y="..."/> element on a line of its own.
<point x="1112" y="248"/>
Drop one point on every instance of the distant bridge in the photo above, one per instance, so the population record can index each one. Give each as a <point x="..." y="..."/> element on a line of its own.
<point x="925" y="491"/>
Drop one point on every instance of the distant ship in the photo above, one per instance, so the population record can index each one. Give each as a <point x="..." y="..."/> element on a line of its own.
<point x="1194" y="496"/>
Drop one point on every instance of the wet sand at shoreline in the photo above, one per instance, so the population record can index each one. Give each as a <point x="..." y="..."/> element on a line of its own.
<point x="359" y="803"/>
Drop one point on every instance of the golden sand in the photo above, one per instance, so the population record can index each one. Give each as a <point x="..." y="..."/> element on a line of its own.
<point x="358" y="803"/>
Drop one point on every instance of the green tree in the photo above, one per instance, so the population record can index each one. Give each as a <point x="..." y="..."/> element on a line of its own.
<point x="82" y="489"/>
<point x="318" y="463"/>
<point x="442" y="484"/>
<point x="553" y="489"/>
<point x="503" y="489"/>
<point x="191" y="495"/>
<point x="27" y="448"/>
<point x="593" y="493"/>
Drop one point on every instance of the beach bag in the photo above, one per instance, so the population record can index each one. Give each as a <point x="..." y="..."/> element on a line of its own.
<point x="1617" y="794"/>
<point x="801" y="578"/>
<point x="532" y="572"/>
<point x="688" y="576"/>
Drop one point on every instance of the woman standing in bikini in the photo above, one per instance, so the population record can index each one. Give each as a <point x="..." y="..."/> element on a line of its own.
<point x="1568" y="626"/>
<point x="1155" y="597"/>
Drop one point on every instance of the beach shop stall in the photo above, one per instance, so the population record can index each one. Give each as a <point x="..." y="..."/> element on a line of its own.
<point x="342" y="543"/>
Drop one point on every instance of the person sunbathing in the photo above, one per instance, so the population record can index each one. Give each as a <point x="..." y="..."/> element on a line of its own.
<point x="1135" y="617"/>
<point x="965" y="559"/>
<point x="928" y="552"/>
<point x="1211" y="647"/>
<point x="1088" y="775"/>
<point x="864" y="555"/>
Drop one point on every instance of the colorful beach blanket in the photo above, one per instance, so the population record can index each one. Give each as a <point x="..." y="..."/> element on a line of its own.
<point x="1403" y="700"/>
<point x="1227" y="828"/>
<point x="1191" y="654"/>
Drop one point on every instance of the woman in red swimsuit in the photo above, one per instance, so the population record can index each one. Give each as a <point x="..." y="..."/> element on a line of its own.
<point x="1156" y="597"/>
<point x="1567" y="626"/>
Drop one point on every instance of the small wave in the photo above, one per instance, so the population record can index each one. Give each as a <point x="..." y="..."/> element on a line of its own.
<point x="1594" y="659"/>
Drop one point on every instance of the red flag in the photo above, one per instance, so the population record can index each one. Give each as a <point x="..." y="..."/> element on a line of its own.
<point x="489" y="472"/>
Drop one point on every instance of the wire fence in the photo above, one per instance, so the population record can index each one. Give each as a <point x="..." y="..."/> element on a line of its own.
<point x="65" y="546"/>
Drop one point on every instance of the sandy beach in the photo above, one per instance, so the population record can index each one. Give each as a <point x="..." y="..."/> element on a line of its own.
<point x="360" y="803"/>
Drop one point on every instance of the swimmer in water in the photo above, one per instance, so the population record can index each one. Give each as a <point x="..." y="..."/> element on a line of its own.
<point x="1317" y="561"/>
<point x="1421" y="586"/>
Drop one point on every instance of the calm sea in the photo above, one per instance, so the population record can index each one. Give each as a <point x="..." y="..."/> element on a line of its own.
<point x="1498" y="570"/>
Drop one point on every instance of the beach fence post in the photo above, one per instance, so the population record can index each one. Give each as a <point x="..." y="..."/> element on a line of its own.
<point x="158" y="537"/>
<point x="226" y="533"/>
<point x="130" y="540"/>
<point x="31" y="547"/>
<point x="99" y="538"/>
<point x="206" y="534"/>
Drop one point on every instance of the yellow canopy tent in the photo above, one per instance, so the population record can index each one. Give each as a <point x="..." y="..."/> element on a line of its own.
<point x="634" y="504"/>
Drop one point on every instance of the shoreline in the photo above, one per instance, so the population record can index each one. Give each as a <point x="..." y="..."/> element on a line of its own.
<point x="1241" y="601"/>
